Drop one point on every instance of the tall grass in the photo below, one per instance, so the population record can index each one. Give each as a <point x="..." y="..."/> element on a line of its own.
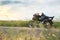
<point x="26" y="34"/>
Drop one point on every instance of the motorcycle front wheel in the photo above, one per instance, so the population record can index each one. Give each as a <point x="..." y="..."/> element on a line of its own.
<point x="33" y="24"/>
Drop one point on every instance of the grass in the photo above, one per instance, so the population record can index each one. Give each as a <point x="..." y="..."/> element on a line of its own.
<point x="29" y="35"/>
<point x="56" y="24"/>
<point x="14" y="23"/>
<point x="23" y="24"/>
<point x="26" y="34"/>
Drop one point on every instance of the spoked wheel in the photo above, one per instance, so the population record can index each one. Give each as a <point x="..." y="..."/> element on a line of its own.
<point x="36" y="24"/>
<point x="33" y="24"/>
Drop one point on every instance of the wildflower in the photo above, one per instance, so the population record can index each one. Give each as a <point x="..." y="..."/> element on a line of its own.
<point x="53" y="35"/>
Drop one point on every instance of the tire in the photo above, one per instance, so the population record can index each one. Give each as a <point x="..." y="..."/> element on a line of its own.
<point x="47" y="25"/>
<point x="33" y="24"/>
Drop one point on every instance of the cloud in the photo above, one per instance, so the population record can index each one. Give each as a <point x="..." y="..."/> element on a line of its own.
<point x="22" y="9"/>
<point x="30" y="2"/>
<point x="15" y="2"/>
<point x="9" y="2"/>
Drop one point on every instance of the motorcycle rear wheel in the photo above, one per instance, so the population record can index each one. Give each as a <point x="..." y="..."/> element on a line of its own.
<point x="47" y="25"/>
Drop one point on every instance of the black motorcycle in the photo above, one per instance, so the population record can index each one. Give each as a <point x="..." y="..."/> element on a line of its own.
<point x="47" y="21"/>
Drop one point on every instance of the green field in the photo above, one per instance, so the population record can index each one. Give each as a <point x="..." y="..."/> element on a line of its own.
<point x="23" y="24"/>
<point x="14" y="23"/>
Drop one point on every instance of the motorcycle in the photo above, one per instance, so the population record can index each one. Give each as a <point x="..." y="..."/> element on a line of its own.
<point x="47" y="23"/>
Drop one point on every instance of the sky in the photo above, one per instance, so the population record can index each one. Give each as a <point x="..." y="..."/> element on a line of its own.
<point x="24" y="9"/>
